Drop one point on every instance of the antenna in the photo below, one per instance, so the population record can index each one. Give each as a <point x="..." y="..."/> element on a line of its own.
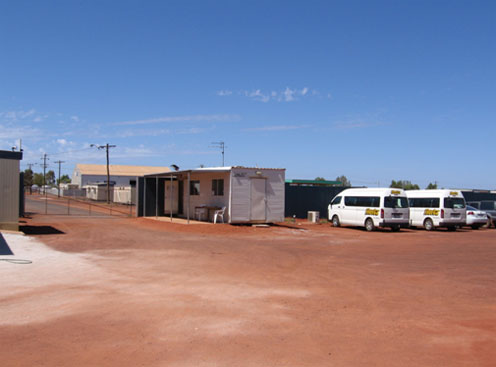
<point x="220" y="145"/>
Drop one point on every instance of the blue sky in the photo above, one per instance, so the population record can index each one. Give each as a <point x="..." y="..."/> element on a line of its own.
<point x="374" y="90"/>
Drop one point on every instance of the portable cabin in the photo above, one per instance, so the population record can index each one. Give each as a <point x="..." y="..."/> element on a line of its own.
<point x="249" y="195"/>
<point x="98" y="191"/>
<point x="124" y="194"/>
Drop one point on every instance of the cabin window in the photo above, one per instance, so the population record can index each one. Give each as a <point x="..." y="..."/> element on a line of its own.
<point x="218" y="187"/>
<point x="194" y="188"/>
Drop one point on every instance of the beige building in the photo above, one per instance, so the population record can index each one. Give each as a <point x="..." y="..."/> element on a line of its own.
<point x="10" y="189"/>
<point x="85" y="174"/>
<point x="247" y="194"/>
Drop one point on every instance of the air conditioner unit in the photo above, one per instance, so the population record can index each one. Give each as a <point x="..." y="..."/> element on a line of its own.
<point x="313" y="217"/>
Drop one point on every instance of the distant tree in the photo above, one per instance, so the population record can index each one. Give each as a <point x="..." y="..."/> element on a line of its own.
<point x="403" y="184"/>
<point x="320" y="178"/>
<point x="38" y="179"/>
<point x="431" y="186"/>
<point x="28" y="177"/>
<point x="344" y="181"/>
<point x="64" y="179"/>
<point x="50" y="178"/>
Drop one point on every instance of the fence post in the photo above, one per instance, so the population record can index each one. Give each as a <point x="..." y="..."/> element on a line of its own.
<point x="68" y="206"/>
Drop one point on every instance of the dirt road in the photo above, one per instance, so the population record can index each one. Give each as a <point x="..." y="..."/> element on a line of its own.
<point x="135" y="292"/>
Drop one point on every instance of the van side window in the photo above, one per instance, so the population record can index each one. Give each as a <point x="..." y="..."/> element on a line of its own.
<point x="337" y="200"/>
<point x="424" y="202"/>
<point x="368" y="201"/>
<point x="350" y="201"/>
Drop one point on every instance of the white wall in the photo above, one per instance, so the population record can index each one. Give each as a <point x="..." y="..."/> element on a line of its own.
<point x="87" y="179"/>
<point x="206" y="196"/>
<point x="241" y="193"/>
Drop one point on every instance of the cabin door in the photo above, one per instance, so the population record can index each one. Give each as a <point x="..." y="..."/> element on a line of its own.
<point x="258" y="200"/>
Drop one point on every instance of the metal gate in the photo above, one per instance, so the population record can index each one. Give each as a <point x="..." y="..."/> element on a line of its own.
<point x="53" y="205"/>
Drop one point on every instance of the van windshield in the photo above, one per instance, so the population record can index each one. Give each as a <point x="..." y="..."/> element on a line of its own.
<point x="454" y="203"/>
<point x="395" y="202"/>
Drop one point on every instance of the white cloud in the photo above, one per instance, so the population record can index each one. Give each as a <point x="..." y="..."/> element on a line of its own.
<point x="75" y="118"/>
<point x="286" y="95"/>
<point x="187" y="118"/>
<point x="278" y="128"/>
<point x="258" y="95"/>
<point x="193" y="130"/>
<point x="7" y="132"/>
<point x="13" y="116"/>
<point x="289" y="94"/>
<point x="356" y="124"/>
<point x="141" y="132"/>
<point x="223" y="93"/>
<point x="62" y="142"/>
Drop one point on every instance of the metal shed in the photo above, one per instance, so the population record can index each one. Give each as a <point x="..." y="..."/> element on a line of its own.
<point x="10" y="190"/>
<point x="250" y="195"/>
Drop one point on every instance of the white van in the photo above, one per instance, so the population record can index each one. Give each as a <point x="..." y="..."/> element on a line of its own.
<point x="370" y="208"/>
<point x="436" y="208"/>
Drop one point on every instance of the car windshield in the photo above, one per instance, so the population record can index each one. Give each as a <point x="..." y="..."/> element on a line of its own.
<point x="471" y="208"/>
<point x="454" y="203"/>
<point x="395" y="202"/>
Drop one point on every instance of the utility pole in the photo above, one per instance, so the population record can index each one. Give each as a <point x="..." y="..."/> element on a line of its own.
<point x="44" y="182"/>
<point x="58" y="185"/>
<point x="44" y="172"/>
<point x="106" y="147"/>
<point x="220" y="144"/>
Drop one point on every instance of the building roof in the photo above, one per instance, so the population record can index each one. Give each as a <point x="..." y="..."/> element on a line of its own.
<point x="210" y="169"/>
<point x="314" y="182"/>
<point x="118" y="170"/>
<point x="8" y="154"/>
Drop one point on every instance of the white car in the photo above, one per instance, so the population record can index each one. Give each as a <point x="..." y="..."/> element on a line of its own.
<point x="476" y="218"/>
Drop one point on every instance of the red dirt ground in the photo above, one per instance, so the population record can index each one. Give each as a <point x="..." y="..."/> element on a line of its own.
<point x="136" y="292"/>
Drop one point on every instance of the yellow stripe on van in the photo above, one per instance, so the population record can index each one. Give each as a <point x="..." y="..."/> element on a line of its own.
<point x="454" y="193"/>
<point x="371" y="211"/>
<point x="395" y="192"/>
<point x="431" y="212"/>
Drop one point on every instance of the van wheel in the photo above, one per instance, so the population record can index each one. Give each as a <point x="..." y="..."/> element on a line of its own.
<point x="451" y="228"/>
<point x="335" y="221"/>
<point x="428" y="225"/>
<point x="369" y="225"/>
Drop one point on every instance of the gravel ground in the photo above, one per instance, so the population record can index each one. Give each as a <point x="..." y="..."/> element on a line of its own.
<point x="136" y="292"/>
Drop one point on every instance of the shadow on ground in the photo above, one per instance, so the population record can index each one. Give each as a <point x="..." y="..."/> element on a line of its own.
<point x="39" y="230"/>
<point x="4" y="247"/>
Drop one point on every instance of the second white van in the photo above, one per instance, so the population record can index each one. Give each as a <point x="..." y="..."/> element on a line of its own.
<point x="370" y="208"/>
<point x="436" y="208"/>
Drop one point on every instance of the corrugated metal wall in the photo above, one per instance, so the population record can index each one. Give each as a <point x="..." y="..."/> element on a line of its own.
<point x="241" y="196"/>
<point x="302" y="199"/>
<point x="9" y="194"/>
